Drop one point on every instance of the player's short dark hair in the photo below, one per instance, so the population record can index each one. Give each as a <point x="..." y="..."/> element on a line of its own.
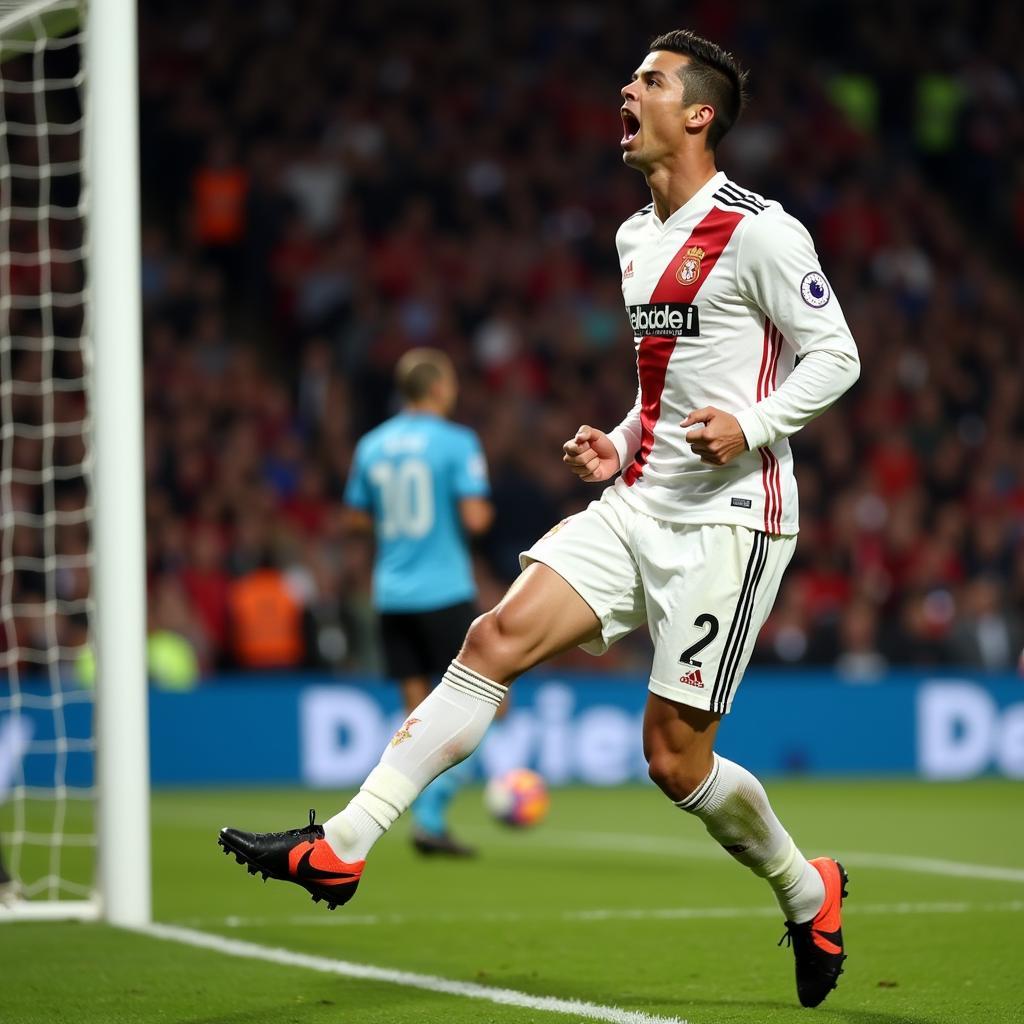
<point x="419" y="370"/>
<point x="713" y="76"/>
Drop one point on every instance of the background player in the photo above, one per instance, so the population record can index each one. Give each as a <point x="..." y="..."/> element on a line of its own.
<point x="420" y="484"/>
<point x="724" y="292"/>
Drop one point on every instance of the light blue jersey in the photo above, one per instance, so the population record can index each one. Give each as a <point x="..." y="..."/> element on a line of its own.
<point x="410" y="474"/>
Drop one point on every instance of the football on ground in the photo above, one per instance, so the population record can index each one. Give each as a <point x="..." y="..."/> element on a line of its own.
<point x="519" y="798"/>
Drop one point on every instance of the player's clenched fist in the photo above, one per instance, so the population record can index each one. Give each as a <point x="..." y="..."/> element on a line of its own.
<point x="718" y="439"/>
<point x="590" y="455"/>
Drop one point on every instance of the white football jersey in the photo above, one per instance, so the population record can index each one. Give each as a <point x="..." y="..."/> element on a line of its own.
<point x="723" y="297"/>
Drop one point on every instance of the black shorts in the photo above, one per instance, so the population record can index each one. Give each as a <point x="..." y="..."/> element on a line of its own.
<point x="424" y="643"/>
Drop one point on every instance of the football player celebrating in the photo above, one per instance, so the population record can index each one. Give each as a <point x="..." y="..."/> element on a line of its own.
<point x="725" y="293"/>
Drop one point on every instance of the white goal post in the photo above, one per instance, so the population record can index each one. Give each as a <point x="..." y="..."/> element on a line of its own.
<point x="104" y="283"/>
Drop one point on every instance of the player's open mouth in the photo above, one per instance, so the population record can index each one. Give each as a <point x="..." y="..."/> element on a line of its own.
<point x="630" y="126"/>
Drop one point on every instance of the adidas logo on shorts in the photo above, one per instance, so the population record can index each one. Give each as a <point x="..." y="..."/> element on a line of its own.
<point x="693" y="679"/>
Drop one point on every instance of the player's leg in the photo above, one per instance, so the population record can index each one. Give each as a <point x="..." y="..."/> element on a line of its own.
<point x="540" y="616"/>
<point x="729" y="801"/>
<point x="734" y="808"/>
<point x="709" y="589"/>
<point x="438" y="634"/>
<point x="429" y="809"/>
<point x="407" y="647"/>
<point x="580" y="586"/>
<point x="705" y="622"/>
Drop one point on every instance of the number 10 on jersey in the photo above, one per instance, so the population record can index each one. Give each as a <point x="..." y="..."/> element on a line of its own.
<point x="406" y="497"/>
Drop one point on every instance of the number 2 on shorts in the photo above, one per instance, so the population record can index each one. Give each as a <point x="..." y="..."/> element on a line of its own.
<point x="705" y="619"/>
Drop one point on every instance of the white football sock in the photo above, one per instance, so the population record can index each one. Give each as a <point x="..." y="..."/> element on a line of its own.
<point x="735" y="810"/>
<point x="442" y="731"/>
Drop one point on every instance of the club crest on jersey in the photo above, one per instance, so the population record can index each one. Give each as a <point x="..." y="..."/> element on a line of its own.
<point x="689" y="269"/>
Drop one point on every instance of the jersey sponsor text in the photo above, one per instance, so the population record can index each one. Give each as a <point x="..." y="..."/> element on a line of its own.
<point x="664" y="320"/>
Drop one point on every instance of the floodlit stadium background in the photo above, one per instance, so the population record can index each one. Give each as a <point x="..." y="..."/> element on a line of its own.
<point x="327" y="184"/>
<point x="318" y="200"/>
<point x="320" y="195"/>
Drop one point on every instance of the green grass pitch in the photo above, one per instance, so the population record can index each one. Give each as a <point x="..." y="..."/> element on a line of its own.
<point x="617" y="900"/>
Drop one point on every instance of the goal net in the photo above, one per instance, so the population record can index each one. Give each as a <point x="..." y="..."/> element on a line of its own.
<point x="47" y="837"/>
<point x="69" y="431"/>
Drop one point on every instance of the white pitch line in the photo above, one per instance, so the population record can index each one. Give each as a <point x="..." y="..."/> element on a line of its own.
<point x="665" y="846"/>
<point x="600" y="914"/>
<point x="933" y="866"/>
<point x="407" y="979"/>
<point x="699" y="913"/>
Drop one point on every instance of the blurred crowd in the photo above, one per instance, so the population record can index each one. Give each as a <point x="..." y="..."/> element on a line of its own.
<point x="324" y="189"/>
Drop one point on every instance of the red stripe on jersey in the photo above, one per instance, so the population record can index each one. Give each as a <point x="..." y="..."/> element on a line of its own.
<point x="766" y="467"/>
<point x="776" y="481"/>
<point x="768" y="328"/>
<point x="771" y="478"/>
<point x="651" y="366"/>
<point x="773" y="369"/>
<point x="712" y="234"/>
<point x="778" y="471"/>
<point x="766" y="464"/>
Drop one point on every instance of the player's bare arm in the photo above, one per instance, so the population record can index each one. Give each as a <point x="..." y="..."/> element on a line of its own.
<point x="591" y="455"/>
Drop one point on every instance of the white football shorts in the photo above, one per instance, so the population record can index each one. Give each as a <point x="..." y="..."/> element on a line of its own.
<point x="703" y="590"/>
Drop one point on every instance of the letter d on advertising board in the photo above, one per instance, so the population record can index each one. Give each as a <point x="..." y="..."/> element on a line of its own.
<point x="343" y="733"/>
<point x="963" y="732"/>
<point x="956" y="730"/>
